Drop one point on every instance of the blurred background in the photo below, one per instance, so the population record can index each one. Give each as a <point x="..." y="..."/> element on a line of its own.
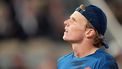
<point x="31" y="31"/>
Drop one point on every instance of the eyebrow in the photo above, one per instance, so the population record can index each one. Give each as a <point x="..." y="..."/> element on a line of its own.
<point x="73" y="18"/>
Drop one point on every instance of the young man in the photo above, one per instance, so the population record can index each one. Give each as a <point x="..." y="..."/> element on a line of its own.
<point x="85" y="30"/>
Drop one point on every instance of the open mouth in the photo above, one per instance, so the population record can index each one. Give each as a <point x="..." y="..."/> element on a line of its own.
<point x="66" y="31"/>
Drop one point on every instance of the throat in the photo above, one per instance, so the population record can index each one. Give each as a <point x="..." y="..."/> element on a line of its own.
<point x="80" y="51"/>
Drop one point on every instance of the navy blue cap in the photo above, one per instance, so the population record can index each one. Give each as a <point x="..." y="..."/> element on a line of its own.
<point x="96" y="17"/>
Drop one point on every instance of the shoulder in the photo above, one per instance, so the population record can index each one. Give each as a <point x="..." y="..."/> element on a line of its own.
<point x="109" y="65"/>
<point x="103" y="55"/>
<point x="105" y="60"/>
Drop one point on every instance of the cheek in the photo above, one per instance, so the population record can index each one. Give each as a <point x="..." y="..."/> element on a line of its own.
<point x="77" y="31"/>
<point x="74" y="35"/>
<point x="77" y="34"/>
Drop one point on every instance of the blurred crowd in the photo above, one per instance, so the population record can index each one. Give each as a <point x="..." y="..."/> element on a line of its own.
<point x="31" y="31"/>
<point x="31" y="18"/>
<point x="116" y="7"/>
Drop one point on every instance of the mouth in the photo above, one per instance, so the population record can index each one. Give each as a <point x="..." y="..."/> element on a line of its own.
<point x="66" y="31"/>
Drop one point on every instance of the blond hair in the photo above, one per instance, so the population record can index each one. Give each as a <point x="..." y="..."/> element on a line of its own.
<point x="98" y="40"/>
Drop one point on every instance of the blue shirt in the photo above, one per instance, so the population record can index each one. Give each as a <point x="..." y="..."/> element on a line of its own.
<point x="99" y="60"/>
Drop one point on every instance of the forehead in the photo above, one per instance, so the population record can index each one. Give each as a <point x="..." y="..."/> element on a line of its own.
<point x="78" y="16"/>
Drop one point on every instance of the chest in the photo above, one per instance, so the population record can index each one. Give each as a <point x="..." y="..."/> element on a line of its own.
<point x="77" y="64"/>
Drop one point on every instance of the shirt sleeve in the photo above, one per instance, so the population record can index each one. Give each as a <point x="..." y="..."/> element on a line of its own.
<point x="109" y="65"/>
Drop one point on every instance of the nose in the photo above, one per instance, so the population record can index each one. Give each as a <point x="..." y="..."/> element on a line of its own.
<point x="66" y="22"/>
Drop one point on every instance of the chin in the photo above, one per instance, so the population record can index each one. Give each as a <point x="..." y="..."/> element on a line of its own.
<point x="64" y="38"/>
<point x="67" y="39"/>
<point x="71" y="40"/>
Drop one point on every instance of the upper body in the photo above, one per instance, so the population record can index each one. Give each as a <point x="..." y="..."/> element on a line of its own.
<point x="98" y="60"/>
<point x="84" y="30"/>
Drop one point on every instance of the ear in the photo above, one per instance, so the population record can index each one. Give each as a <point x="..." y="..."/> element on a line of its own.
<point x="90" y="33"/>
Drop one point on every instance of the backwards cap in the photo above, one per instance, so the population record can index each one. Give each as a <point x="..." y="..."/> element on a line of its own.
<point x="96" y="17"/>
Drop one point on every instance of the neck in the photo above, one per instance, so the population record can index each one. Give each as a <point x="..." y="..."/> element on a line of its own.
<point x="83" y="49"/>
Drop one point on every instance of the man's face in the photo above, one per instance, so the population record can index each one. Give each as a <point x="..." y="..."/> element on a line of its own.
<point x="75" y="27"/>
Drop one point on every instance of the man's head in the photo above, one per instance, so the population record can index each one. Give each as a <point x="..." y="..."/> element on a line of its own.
<point x="86" y="23"/>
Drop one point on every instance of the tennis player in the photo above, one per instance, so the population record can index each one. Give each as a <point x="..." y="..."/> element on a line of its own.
<point x="85" y="30"/>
